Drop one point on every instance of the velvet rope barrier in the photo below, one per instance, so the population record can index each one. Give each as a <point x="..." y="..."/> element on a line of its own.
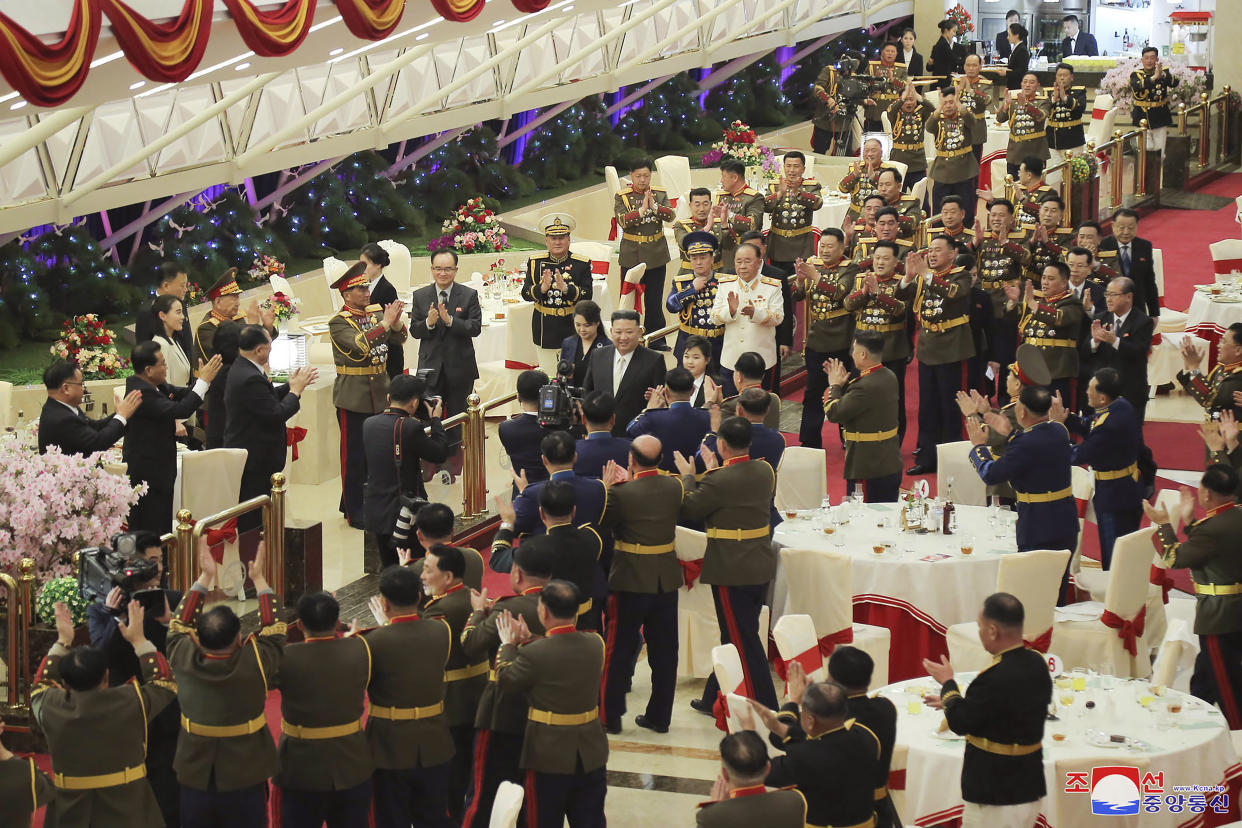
<point x="458" y="11"/>
<point x="166" y="52"/>
<point x="275" y="33"/>
<point x="371" y="19"/>
<point x="48" y="74"/>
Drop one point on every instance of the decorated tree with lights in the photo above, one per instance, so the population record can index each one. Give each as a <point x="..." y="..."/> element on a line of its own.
<point x="576" y="142"/>
<point x="24" y="312"/>
<point x="753" y="95"/>
<point x="78" y="278"/>
<point x="668" y="117"/>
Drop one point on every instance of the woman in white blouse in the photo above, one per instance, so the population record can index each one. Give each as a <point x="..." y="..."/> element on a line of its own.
<point x="168" y="314"/>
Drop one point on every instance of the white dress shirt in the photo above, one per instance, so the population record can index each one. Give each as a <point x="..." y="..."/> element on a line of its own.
<point x="619" y="363"/>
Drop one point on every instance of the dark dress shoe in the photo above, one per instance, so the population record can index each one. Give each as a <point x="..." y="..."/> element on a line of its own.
<point x="613" y="726"/>
<point x="643" y="721"/>
<point x="703" y="707"/>
<point x="919" y="469"/>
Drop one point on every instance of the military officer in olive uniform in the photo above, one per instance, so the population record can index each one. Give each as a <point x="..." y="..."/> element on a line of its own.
<point x="1067" y="103"/>
<point x="407" y="731"/>
<point x="325" y="761"/>
<point x="693" y="294"/>
<point x="565" y="749"/>
<point x="555" y="281"/>
<point x="464" y="679"/>
<point x="1030" y="190"/>
<point x="908" y="117"/>
<point x="866" y="408"/>
<point x="361" y="335"/>
<point x="792" y="201"/>
<point x="1151" y="85"/>
<point x="642" y="509"/>
<point x="1049" y="241"/>
<point x="894" y="75"/>
<point x="974" y="93"/>
<point x="738" y="209"/>
<point x="1027" y="115"/>
<point x="880" y="304"/>
<point x="734" y="501"/>
<point x="501" y="720"/>
<point x="831" y="134"/>
<point x="1003" y="261"/>
<point x="1053" y="324"/>
<point x="24" y="788"/>
<point x="701" y="220"/>
<point x="955" y="169"/>
<point x="96" y="734"/>
<point x="642" y="211"/>
<point x="1210" y="553"/>
<point x="945" y="344"/>
<point x="859" y="180"/>
<point x="823" y="281"/>
<point x="225" y="754"/>
<point x="1217" y="391"/>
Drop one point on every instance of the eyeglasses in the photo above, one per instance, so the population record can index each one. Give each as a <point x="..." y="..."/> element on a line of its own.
<point x="1113" y="293"/>
<point x="444" y="270"/>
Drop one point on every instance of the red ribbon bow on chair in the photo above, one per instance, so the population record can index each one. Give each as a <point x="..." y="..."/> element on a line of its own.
<point x="293" y="436"/>
<point x="1127" y="631"/>
<point x="691" y="570"/>
<point x="1156" y="339"/>
<point x="720" y="709"/>
<point x="828" y="643"/>
<point x="216" y="538"/>
<point x="1161" y="578"/>
<point x="613" y="230"/>
<point x="630" y="287"/>
<point x="1082" y="507"/>
<point x="811" y="660"/>
<point x="1041" y="642"/>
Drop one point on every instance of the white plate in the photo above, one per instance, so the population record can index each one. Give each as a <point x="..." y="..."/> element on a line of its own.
<point x="1104" y="742"/>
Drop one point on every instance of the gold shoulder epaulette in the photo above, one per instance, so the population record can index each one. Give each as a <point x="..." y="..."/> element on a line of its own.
<point x="543" y="254"/>
<point x="578" y="257"/>
<point x="625" y="191"/>
<point x="374" y="307"/>
<point x="343" y="314"/>
<point x="1079" y="88"/>
<point x="810" y="180"/>
<point x="211" y="320"/>
<point x="1018" y="234"/>
<point x="770" y="280"/>
<point x="957" y="269"/>
<point x="659" y="190"/>
<point x="726" y="277"/>
<point x="750" y="191"/>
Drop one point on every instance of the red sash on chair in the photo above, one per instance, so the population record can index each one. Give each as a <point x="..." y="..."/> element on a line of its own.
<point x="691" y="570"/>
<point x="293" y="436"/>
<point x="629" y="287"/>
<point x="811" y="660"/>
<point x="828" y="643"/>
<point x="1224" y="267"/>
<point x="1127" y="631"/>
<point x="1161" y="578"/>
<point x="1041" y="642"/>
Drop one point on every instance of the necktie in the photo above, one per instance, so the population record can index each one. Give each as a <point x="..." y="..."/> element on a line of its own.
<point x="1125" y="259"/>
<point x="619" y="372"/>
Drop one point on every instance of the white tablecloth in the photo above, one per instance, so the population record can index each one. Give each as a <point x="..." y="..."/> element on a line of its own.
<point x="1209" y="316"/>
<point x="1194" y="750"/>
<point x="832" y="213"/>
<point x="940" y="591"/>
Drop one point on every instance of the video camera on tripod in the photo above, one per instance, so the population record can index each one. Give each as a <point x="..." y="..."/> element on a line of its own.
<point x="854" y="85"/>
<point x="101" y="568"/>
<point x="559" y="399"/>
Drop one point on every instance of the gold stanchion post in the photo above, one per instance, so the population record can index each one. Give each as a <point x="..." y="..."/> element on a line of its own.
<point x="1116" y="161"/>
<point x="274" y="535"/>
<point x="474" y="464"/>
<point x="1205" y="130"/>
<point x="25" y="603"/>
<point x="1010" y="188"/>
<point x="183" y="564"/>
<point x="1140" y="187"/>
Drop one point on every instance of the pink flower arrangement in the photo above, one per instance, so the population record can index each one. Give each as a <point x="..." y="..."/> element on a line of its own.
<point x="84" y="340"/>
<point x="474" y="228"/>
<point x="282" y="305"/>
<point x="52" y="505"/>
<point x="265" y="267"/>
<point x="740" y="142"/>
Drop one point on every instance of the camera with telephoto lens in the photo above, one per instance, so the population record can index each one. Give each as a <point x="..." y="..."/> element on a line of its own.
<point x="101" y="568"/>
<point x="559" y="399"/>
<point x="853" y="85"/>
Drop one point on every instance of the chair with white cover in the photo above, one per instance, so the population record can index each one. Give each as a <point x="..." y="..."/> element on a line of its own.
<point x="210" y="483"/>
<point x="674" y="173"/>
<point x="697" y="630"/>
<point x="6" y="404"/>
<point x="629" y="296"/>
<point x="999" y="171"/>
<point x="1103" y="120"/>
<point x="1226" y="259"/>
<point x="953" y="470"/>
<point x="1171" y="321"/>
<point x="613" y="181"/>
<point x="801" y="478"/>
<point x="727" y="665"/>
<point x="1165" y="358"/>
<point x="507" y="807"/>
<point x="820" y="585"/>
<point x="796" y="641"/>
<point x="1082" y="481"/>
<point x="400" y="269"/>
<point x="919" y="190"/>
<point x="333" y="269"/>
<point x="280" y="285"/>
<point x="1035" y="579"/>
<point x="1095" y="582"/>
<point x="1176" y="659"/>
<point x="1111" y="637"/>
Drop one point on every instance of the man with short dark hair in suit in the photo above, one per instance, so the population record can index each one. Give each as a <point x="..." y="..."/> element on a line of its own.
<point x="446" y="317"/>
<point x="63" y="424"/>
<point x="671" y="417"/>
<point x="626" y="368"/>
<point x="376" y="258"/>
<point x="257" y="413"/>
<point x="1076" y="41"/>
<point x="171" y="278"/>
<point x="1121" y="338"/>
<point x="1136" y="259"/>
<point x="599" y="446"/>
<point x="521" y="433"/>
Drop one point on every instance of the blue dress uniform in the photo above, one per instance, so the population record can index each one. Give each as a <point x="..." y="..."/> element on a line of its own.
<point x="596" y="449"/>
<point x="1112" y="439"/>
<point x="680" y="427"/>
<point x="1037" y="462"/>
<point x="694" y="307"/>
<point x="681" y="229"/>
<point x="553" y="319"/>
<point x="360" y="343"/>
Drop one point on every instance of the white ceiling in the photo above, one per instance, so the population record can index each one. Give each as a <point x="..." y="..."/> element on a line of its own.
<point x="125" y="140"/>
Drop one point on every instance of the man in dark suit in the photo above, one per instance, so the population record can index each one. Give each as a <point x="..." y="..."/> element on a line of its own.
<point x="385" y="480"/>
<point x="446" y="317"/>
<point x="382" y="292"/>
<point x="150" y="448"/>
<point x="1003" y="49"/>
<point x="673" y="419"/>
<point x="521" y="433"/>
<point x="1076" y="41"/>
<point x="172" y="279"/>
<point x="1134" y="259"/>
<point x="626" y="368"/>
<point x="257" y="412"/>
<point x="599" y="446"/>
<point x="1121" y="338"/>
<point x="63" y="424"/>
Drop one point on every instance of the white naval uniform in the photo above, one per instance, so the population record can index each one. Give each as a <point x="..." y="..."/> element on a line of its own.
<point x="743" y="333"/>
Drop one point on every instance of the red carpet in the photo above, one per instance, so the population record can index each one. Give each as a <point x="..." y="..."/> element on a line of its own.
<point x="1184" y="236"/>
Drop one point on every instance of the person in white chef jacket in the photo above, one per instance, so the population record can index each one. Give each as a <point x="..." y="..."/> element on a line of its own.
<point x="750" y="307"/>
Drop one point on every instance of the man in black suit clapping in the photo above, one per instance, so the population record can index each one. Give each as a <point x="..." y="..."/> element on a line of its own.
<point x="626" y="368"/>
<point x="1121" y="338"/>
<point x="150" y="448"/>
<point x="1136" y="259"/>
<point x="257" y="412"/>
<point x="63" y="424"/>
<point x="446" y="317"/>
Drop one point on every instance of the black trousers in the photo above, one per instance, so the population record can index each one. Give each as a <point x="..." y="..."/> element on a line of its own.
<point x="215" y="414"/>
<point x="353" y="464"/>
<point x="454" y="392"/>
<point x="898" y="367"/>
<point x="632" y="618"/>
<point x="347" y="808"/>
<point x="940" y="420"/>
<point x="244" y="808"/>
<point x="1112" y="525"/>
<point x="1218" y="674"/>
<point x="254" y="482"/>
<point x="459" y="768"/>
<point x="416" y="796"/>
<point x="496" y="757"/>
<point x="737" y="612"/>
<point x="1067" y="387"/>
<point x="1004" y="351"/>
<point x="878" y="489"/>
<point x="551" y="798"/>
<point x="162" y="735"/>
<point x="811" y="432"/>
<point x="153" y="511"/>
<point x="963" y="189"/>
<point x="653" y="298"/>
<point x="821" y="141"/>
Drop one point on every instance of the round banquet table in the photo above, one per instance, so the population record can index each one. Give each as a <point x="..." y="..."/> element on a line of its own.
<point x="919" y="588"/>
<point x="1208" y="316"/>
<point x="1190" y="747"/>
<point x="994" y="147"/>
<point x="832" y="213"/>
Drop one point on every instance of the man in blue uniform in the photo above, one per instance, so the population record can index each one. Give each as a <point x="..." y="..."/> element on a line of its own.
<point x="1112" y="439"/>
<point x="693" y="293"/>
<point x="672" y="418"/>
<point x="599" y="446"/>
<point x="521" y="433"/>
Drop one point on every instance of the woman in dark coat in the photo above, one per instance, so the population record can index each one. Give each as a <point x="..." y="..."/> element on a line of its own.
<point x="588" y="336"/>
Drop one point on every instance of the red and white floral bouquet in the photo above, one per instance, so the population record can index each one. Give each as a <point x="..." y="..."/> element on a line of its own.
<point x="474" y="228"/>
<point x="84" y="340"/>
